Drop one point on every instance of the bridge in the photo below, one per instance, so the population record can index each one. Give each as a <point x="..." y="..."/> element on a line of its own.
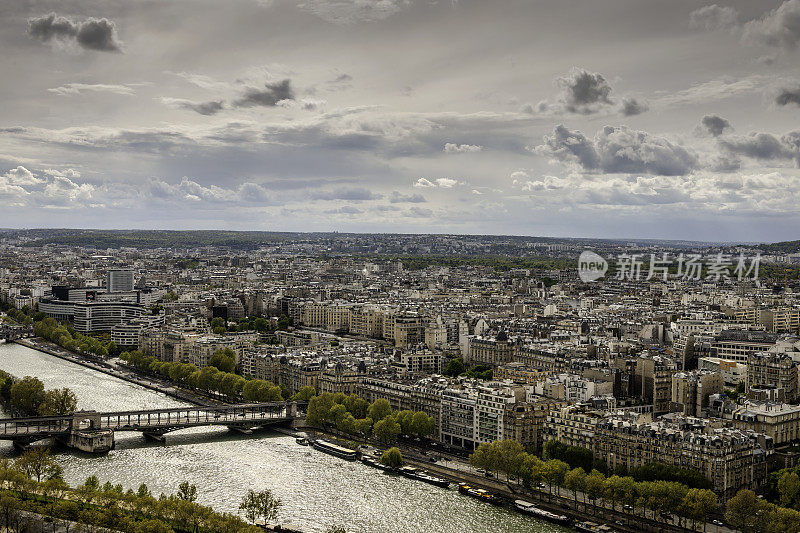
<point x="10" y="333"/>
<point x="94" y="432"/>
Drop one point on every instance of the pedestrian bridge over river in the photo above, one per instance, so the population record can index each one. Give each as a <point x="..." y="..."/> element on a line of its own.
<point x="94" y="432"/>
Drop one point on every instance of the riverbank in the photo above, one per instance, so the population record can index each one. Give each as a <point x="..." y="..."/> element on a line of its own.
<point x="126" y="375"/>
<point x="555" y="502"/>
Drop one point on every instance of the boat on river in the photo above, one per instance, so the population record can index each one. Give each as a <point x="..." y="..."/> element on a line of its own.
<point x="530" y="509"/>
<point x="480" y="494"/>
<point x="421" y="475"/>
<point x="334" y="449"/>
<point x="374" y="462"/>
<point x="592" y="527"/>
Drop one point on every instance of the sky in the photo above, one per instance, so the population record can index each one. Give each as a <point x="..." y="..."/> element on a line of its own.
<point x="608" y="118"/>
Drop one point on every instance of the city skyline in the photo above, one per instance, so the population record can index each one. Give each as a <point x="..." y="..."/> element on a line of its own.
<point x="603" y="120"/>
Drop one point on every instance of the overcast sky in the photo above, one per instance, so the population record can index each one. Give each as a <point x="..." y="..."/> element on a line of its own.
<point x="594" y="118"/>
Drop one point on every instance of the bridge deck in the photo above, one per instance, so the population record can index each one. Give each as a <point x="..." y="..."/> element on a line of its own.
<point x="249" y="415"/>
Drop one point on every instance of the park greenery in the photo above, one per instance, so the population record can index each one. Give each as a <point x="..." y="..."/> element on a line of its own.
<point x="392" y="458"/>
<point x="33" y="492"/>
<point x="355" y="416"/>
<point x="29" y="397"/>
<point x="456" y="367"/>
<point x="69" y="339"/>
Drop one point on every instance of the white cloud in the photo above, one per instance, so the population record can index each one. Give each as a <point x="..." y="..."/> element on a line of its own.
<point x="21" y="176"/>
<point x="75" y="89"/>
<point x="452" y="148"/>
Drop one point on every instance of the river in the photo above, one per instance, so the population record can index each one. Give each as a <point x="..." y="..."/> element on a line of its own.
<point x="318" y="491"/>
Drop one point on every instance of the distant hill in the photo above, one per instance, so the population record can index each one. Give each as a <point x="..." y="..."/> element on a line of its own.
<point x="786" y="247"/>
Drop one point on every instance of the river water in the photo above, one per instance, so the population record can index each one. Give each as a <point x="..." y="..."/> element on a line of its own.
<point x="318" y="491"/>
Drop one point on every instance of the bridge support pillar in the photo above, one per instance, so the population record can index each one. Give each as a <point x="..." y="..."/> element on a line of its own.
<point x="291" y="410"/>
<point x="154" y="435"/>
<point x="243" y="431"/>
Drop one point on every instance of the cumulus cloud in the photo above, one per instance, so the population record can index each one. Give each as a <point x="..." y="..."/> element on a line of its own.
<point x="452" y="148"/>
<point x="779" y="28"/>
<point x="21" y="176"/>
<point x="91" y="34"/>
<point x="764" y="146"/>
<point x="424" y="183"/>
<point x="713" y="17"/>
<point x="204" y="108"/>
<point x="398" y="198"/>
<point x="269" y="96"/>
<point x="788" y="96"/>
<point x="631" y="106"/>
<point x="618" y="149"/>
<point x="714" y="125"/>
<point x="583" y="91"/>
<point x="62" y="189"/>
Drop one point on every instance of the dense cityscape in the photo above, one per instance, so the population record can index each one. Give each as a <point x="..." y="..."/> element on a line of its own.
<point x="657" y="402"/>
<point x="406" y="266"/>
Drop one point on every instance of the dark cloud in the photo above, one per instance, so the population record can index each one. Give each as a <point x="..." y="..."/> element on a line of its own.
<point x="788" y="96"/>
<point x="397" y="198"/>
<point x="631" y="106"/>
<point x="269" y="96"/>
<point x="343" y="78"/>
<point x="91" y="34"/>
<point x="568" y="145"/>
<point x="583" y="91"/>
<point x="51" y="26"/>
<point x="714" y="125"/>
<point x="765" y="146"/>
<point x="618" y="149"/>
<point x="713" y="17"/>
<point x="204" y="108"/>
<point x="779" y="28"/>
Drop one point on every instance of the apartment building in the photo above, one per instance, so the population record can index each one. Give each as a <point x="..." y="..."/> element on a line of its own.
<point x="777" y="371"/>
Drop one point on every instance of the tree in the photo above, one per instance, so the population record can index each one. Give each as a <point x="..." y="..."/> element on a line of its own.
<point x="595" y="484"/>
<point x="575" y="480"/>
<point x="305" y="394"/>
<point x="217" y="322"/>
<point x="455" y="367"/>
<point x="698" y="504"/>
<point x="27" y="395"/>
<point x="788" y="488"/>
<point x="511" y="455"/>
<point x="386" y="430"/>
<point x="318" y="409"/>
<point x="58" y="402"/>
<point x="37" y="463"/>
<point x="742" y="510"/>
<point x="223" y="360"/>
<point x="392" y="457"/>
<point x="532" y="470"/>
<point x="187" y="492"/>
<point x="260" y="504"/>
<point x="554" y="472"/>
<point x="422" y="425"/>
<point x="379" y="409"/>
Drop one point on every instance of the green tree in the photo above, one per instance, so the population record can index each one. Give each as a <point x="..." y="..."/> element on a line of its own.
<point x="58" y="402"/>
<point x="261" y="504"/>
<point x="37" y="463"/>
<point x="575" y="480"/>
<point x="27" y="395"/>
<point x="455" y="367"/>
<point x="379" y="409"/>
<point x="187" y="492"/>
<point x="422" y="425"/>
<point x="532" y="470"/>
<point x="318" y="410"/>
<point x="511" y="456"/>
<point x="304" y="394"/>
<point x="595" y="485"/>
<point x="392" y="457"/>
<point x="788" y="488"/>
<point x="742" y="510"/>
<point x="698" y="504"/>
<point x="386" y="430"/>
<point x="223" y="359"/>
<point x="555" y="470"/>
